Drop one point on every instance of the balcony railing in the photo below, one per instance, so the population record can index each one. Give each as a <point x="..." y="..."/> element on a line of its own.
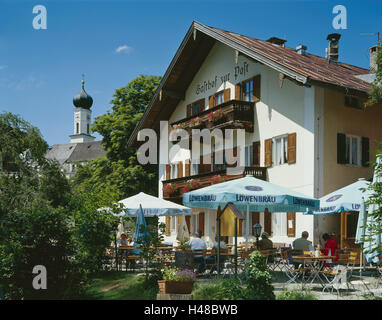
<point x="206" y="179"/>
<point x="230" y="114"/>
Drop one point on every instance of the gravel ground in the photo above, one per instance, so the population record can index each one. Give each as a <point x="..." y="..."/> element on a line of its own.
<point x="358" y="293"/>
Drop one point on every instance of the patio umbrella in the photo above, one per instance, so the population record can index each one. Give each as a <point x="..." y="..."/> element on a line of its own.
<point x="372" y="230"/>
<point x="348" y="198"/>
<point x="140" y="231"/>
<point x="250" y="194"/>
<point x="183" y="232"/>
<point x="360" y="233"/>
<point x="152" y="206"/>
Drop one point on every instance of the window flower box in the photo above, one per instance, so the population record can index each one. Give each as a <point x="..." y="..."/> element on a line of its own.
<point x="171" y="189"/>
<point x="191" y="184"/>
<point x="216" y="179"/>
<point x="217" y="117"/>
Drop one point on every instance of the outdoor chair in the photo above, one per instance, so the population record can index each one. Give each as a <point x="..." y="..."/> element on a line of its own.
<point x="211" y="264"/>
<point x="337" y="279"/>
<point x="379" y="269"/>
<point x="352" y="261"/>
<point x="199" y="260"/>
<point x="109" y="258"/>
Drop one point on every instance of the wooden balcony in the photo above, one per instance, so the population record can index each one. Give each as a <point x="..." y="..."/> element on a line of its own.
<point x="207" y="179"/>
<point x="234" y="114"/>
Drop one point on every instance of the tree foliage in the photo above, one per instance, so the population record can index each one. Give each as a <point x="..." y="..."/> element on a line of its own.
<point x="42" y="222"/>
<point x="375" y="93"/>
<point x="119" y="170"/>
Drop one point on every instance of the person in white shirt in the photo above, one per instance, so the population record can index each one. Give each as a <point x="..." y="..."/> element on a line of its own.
<point x="197" y="243"/>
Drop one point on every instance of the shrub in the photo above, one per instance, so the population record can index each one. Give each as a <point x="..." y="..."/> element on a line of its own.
<point x="224" y="289"/>
<point x="258" y="278"/>
<point x="296" y="295"/>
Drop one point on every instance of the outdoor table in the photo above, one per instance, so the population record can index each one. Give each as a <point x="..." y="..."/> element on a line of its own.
<point x="314" y="264"/>
<point x="125" y="252"/>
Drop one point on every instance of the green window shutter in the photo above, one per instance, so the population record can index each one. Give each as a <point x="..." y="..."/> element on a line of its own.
<point x="341" y="148"/>
<point x="365" y="151"/>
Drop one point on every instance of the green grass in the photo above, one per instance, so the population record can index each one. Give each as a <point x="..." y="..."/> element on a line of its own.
<point x="296" y="295"/>
<point x="115" y="285"/>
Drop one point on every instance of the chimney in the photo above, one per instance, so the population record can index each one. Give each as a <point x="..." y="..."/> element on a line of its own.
<point x="332" y="51"/>
<point x="300" y="49"/>
<point x="278" y="41"/>
<point x="373" y="58"/>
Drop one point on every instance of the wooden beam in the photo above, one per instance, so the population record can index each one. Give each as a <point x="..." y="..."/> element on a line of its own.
<point x="174" y="94"/>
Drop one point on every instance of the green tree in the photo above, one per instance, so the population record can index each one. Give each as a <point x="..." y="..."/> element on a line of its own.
<point x="43" y="223"/>
<point x="374" y="227"/>
<point x="375" y="93"/>
<point x="128" y="105"/>
<point x="119" y="170"/>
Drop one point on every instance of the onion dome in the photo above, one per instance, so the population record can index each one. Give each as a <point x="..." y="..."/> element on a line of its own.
<point x="82" y="99"/>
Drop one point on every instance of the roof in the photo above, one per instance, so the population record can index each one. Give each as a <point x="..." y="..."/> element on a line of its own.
<point x="309" y="65"/>
<point x="76" y="152"/>
<point x="307" y="69"/>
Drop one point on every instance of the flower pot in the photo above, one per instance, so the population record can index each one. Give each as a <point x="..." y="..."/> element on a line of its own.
<point x="177" y="287"/>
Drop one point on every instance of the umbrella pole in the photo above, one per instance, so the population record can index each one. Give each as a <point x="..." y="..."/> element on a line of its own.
<point x="247" y="228"/>
<point x="218" y="257"/>
<point x="236" y="246"/>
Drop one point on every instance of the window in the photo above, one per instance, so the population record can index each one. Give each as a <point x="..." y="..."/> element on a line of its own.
<point x="174" y="171"/>
<point x="195" y="108"/>
<point x="87" y="128"/>
<point x="249" y="156"/>
<point x="352" y="102"/>
<point x="194" y="169"/>
<point x="217" y="98"/>
<point x="77" y="128"/>
<point x="247" y="90"/>
<point x="173" y="224"/>
<point x="280" y="151"/>
<point x="353" y="150"/>
<point x="352" y="155"/>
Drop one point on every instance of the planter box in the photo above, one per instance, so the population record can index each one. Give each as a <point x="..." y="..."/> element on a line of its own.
<point x="177" y="287"/>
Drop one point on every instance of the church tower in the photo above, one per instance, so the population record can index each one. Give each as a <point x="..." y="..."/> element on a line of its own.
<point x="82" y="117"/>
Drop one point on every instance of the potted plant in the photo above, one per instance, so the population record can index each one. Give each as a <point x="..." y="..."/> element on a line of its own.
<point x="196" y="122"/>
<point x="191" y="184"/>
<point x="171" y="189"/>
<point x="217" y="117"/>
<point x="217" y="178"/>
<point x="176" y="281"/>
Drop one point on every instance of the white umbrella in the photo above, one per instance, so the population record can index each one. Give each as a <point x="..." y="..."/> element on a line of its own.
<point x="372" y="232"/>
<point x="120" y="229"/>
<point x="152" y="206"/>
<point x="183" y="232"/>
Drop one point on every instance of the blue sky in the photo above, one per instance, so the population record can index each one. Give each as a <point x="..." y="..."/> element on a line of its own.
<point x="40" y="70"/>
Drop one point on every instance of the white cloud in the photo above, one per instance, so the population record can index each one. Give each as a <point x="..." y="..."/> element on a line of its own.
<point x="123" y="49"/>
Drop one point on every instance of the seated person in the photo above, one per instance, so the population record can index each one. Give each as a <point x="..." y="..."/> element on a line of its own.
<point x="303" y="244"/>
<point x="223" y="248"/>
<point x="265" y="243"/>
<point x="300" y="245"/>
<point x="196" y="243"/>
<point x="331" y="247"/>
<point x="124" y="241"/>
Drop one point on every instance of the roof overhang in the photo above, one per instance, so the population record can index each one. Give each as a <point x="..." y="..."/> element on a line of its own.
<point x="188" y="59"/>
